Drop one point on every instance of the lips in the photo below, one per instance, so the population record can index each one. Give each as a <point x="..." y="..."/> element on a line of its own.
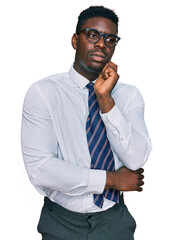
<point x="97" y="56"/>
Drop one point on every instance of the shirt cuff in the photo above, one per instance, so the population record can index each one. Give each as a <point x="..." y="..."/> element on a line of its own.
<point x="97" y="181"/>
<point x="113" y="119"/>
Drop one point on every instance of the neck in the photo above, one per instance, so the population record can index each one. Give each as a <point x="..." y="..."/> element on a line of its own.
<point x="86" y="72"/>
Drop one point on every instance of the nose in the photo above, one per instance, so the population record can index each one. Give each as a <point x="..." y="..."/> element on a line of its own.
<point x="100" y="43"/>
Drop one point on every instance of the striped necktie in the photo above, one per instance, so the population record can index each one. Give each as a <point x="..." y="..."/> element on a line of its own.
<point x="99" y="147"/>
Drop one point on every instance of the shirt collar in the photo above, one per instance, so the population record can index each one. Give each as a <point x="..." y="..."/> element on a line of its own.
<point x="78" y="79"/>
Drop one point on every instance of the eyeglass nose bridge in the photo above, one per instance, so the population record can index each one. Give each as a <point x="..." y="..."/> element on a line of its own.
<point x="100" y="36"/>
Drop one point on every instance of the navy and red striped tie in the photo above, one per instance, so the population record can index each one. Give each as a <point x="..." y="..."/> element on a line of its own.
<point x="99" y="147"/>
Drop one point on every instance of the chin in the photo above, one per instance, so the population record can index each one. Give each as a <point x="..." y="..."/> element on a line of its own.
<point x="96" y="67"/>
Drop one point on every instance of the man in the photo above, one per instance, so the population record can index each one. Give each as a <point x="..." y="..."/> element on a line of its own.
<point x="84" y="139"/>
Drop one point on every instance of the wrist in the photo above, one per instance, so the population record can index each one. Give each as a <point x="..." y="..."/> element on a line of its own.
<point x="110" y="180"/>
<point x="106" y="102"/>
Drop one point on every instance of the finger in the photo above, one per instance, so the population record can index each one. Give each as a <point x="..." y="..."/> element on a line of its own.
<point x="110" y="71"/>
<point x="140" y="170"/>
<point x="139" y="189"/>
<point x="105" y="71"/>
<point x="109" y="66"/>
<point x="105" y="67"/>
<point x="141" y="183"/>
<point x="114" y="66"/>
<point x="118" y="77"/>
<point x="141" y="177"/>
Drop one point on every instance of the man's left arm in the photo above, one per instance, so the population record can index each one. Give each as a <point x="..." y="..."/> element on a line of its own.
<point x="128" y="134"/>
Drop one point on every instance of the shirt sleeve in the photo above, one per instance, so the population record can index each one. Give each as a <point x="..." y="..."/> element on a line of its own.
<point x="40" y="152"/>
<point x="127" y="133"/>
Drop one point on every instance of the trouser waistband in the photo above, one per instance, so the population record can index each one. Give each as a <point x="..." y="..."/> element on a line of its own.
<point x="61" y="210"/>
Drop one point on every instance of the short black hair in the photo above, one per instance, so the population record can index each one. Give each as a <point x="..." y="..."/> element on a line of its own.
<point x="96" y="11"/>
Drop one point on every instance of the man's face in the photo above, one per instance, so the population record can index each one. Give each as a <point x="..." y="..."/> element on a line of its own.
<point x="90" y="57"/>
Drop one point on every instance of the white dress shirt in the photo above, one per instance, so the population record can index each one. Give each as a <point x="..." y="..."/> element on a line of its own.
<point x="54" y="142"/>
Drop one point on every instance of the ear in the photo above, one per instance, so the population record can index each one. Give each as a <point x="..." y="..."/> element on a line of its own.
<point x="74" y="41"/>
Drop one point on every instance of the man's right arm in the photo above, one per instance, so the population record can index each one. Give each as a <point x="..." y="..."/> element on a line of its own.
<point x="44" y="162"/>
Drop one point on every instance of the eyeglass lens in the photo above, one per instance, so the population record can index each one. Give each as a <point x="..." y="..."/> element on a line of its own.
<point x="93" y="36"/>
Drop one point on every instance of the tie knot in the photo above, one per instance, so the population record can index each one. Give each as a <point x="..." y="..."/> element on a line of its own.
<point x="90" y="86"/>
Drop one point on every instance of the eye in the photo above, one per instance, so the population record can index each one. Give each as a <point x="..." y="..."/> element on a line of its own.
<point x="93" y="35"/>
<point x="111" y="39"/>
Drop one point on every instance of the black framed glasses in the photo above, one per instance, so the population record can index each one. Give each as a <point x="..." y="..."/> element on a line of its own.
<point x="93" y="36"/>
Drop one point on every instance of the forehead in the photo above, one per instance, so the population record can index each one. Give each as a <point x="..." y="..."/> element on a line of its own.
<point x="102" y="24"/>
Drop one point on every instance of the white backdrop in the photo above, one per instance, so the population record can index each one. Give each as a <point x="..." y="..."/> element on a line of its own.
<point x="35" y="42"/>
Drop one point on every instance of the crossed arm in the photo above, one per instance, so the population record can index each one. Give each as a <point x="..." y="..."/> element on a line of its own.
<point x="45" y="167"/>
<point x="123" y="179"/>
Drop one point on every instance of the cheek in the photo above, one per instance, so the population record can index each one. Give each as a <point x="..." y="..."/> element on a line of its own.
<point x="110" y="53"/>
<point x="83" y="51"/>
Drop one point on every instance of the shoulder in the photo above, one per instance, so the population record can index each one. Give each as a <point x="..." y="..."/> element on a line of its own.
<point x="126" y="90"/>
<point x="127" y="96"/>
<point x="49" y="84"/>
<point x="52" y="80"/>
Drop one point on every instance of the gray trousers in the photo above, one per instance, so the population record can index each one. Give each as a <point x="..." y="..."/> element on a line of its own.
<point x="58" y="223"/>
